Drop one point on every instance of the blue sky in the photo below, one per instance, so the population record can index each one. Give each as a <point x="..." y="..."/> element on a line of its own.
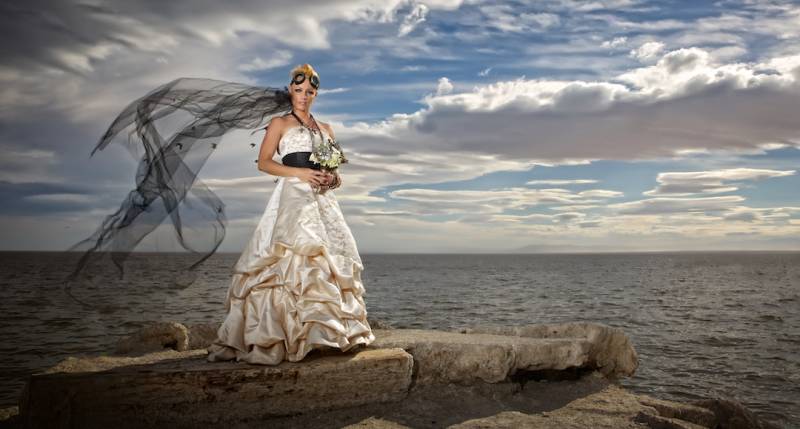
<point x="472" y="126"/>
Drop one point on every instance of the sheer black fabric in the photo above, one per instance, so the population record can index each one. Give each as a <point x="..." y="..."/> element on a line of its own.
<point x="171" y="132"/>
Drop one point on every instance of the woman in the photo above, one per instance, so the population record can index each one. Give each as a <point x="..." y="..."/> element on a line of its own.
<point x="297" y="285"/>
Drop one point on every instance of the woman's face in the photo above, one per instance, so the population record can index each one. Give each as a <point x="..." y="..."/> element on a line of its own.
<point x="303" y="95"/>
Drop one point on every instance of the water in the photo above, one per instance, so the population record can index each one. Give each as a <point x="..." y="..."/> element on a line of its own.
<point x="703" y="324"/>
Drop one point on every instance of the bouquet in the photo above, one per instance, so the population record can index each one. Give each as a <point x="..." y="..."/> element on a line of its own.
<point x="329" y="155"/>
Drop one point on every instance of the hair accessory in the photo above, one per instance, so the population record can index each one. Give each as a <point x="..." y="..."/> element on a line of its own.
<point x="300" y="77"/>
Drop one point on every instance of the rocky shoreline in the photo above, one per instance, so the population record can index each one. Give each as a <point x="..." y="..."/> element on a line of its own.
<point x="536" y="376"/>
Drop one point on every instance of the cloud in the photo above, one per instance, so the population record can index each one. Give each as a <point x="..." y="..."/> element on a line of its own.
<point x="278" y="59"/>
<point x="568" y="217"/>
<point x="560" y="182"/>
<point x="742" y="215"/>
<point x="683" y="102"/>
<point x="444" y="87"/>
<point x="647" y="51"/>
<point x="600" y="193"/>
<point x="44" y="198"/>
<point x="615" y="42"/>
<point x="709" y="182"/>
<point x="25" y="165"/>
<point x="414" y="18"/>
<point x="507" y="18"/>
<point x="496" y="201"/>
<point x="88" y="59"/>
<point x="732" y="88"/>
<point x="542" y="20"/>
<point x="677" y="205"/>
<point x="333" y="90"/>
<point x="763" y="215"/>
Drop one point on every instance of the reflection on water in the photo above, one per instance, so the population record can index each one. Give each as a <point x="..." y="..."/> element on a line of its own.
<point x="703" y="324"/>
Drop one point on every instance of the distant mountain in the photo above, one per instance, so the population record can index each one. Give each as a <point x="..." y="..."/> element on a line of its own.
<point x="571" y="248"/>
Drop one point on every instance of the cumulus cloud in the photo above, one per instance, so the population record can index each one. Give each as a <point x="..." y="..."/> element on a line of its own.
<point x="683" y="102"/>
<point x="444" y="87"/>
<point x="647" y="51"/>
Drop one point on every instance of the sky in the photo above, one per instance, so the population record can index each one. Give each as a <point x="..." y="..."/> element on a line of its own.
<point x="470" y="126"/>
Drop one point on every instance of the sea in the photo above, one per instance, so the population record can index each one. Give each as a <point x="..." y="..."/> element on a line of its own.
<point x="704" y="324"/>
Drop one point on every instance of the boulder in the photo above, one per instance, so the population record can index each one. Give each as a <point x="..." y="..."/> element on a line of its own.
<point x="732" y="414"/>
<point x="155" y="336"/>
<point x="182" y="389"/>
<point x="615" y="408"/>
<point x="201" y="335"/>
<point x="537" y="376"/>
<point x="610" y="408"/>
<point x="493" y="355"/>
<point x="611" y="351"/>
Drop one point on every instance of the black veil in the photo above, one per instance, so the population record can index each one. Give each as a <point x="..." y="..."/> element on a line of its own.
<point x="172" y="131"/>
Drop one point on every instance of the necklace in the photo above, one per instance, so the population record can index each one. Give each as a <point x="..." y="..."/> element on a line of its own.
<point x="311" y="131"/>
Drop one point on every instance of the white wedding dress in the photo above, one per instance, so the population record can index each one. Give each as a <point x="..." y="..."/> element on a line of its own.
<point x="297" y="285"/>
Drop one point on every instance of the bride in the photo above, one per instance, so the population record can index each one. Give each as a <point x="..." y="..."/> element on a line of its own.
<point x="297" y="284"/>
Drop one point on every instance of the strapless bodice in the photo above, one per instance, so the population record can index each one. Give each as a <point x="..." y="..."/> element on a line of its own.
<point x="297" y="139"/>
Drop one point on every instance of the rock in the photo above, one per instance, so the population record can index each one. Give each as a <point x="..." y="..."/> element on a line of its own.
<point x="691" y="413"/>
<point x="612" y="407"/>
<point x="378" y="324"/>
<point x="590" y="402"/>
<point x="406" y="378"/>
<point x="201" y="335"/>
<point x="154" y="337"/>
<point x="452" y="357"/>
<point x="731" y="414"/>
<point x="448" y="405"/>
<point x="611" y="350"/>
<point x="9" y="417"/>
<point x="182" y="389"/>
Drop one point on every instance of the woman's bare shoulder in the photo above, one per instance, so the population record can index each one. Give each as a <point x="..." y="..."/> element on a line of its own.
<point x="327" y="128"/>
<point x="279" y="122"/>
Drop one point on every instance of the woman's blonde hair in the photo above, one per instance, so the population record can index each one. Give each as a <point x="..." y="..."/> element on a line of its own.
<point x="306" y="69"/>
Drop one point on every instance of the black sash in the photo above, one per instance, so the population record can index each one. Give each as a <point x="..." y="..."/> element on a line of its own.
<point x="300" y="159"/>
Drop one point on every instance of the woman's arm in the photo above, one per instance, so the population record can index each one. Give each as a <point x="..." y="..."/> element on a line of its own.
<point x="267" y="151"/>
<point x="329" y="129"/>
<point x="268" y="146"/>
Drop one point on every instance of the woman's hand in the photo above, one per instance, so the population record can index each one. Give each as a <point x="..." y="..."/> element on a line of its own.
<point x="330" y="182"/>
<point x="330" y="178"/>
<point x="337" y="180"/>
<point x="312" y="176"/>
